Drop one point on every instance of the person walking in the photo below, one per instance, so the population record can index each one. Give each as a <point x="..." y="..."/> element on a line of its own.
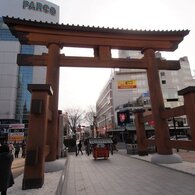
<point x="17" y="150"/>
<point x="80" y="147"/>
<point x="6" y="176"/>
<point x="12" y="149"/>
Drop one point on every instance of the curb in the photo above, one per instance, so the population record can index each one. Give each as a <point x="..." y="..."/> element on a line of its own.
<point x="62" y="178"/>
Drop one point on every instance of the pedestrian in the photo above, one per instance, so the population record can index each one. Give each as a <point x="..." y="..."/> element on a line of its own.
<point x="114" y="139"/>
<point x="17" y="150"/>
<point x="11" y="148"/>
<point x="80" y="147"/>
<point x="6" y="177"/>
<point x="87" y="146"/>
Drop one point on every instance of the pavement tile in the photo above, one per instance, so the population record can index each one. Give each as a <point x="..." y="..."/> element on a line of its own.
<point x="124" y="174"/>
<point x="127" y="174"/>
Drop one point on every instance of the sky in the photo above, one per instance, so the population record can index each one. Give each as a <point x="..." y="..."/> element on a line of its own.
<point x="80" y="87"/>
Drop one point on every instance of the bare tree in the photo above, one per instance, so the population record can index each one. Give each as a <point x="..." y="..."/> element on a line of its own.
<point x="75" y="117"/>
<point x="89" y="115"/>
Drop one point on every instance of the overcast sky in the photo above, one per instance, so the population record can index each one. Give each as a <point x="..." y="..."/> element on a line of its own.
<point x="81" y="87"/>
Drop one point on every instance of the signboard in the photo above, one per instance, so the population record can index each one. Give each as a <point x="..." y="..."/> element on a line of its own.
<point x="16" y="126"/>
<point x="15" y="132"/>
<point x="123" y="117"/>
<point x="126" y="84"/>
<point x="39" y="7"/>
<point x="16" y="137"/>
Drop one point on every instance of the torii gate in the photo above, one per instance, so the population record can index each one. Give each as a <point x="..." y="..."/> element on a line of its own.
<point x="102" y="40"/>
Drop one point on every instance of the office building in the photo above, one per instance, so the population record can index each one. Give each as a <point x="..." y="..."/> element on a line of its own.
<point x="14" y="96"/>
<point x="127" y="90"/>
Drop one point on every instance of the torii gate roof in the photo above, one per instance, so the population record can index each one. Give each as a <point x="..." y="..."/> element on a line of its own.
<point x="40" y="33"/>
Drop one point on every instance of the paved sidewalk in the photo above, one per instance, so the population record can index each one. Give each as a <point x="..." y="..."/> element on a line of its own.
<point x="52" y="179"/>
<point x="18" y="166"/>
<point x="187" y="166"/>
<point x="188" y="156"/>
<point x="122" y="174"/>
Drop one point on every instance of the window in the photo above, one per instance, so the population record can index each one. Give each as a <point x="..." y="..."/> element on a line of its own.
<point x="163" y="81"/>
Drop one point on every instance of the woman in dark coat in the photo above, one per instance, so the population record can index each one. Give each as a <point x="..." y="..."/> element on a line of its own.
<point x="6" y="177"/>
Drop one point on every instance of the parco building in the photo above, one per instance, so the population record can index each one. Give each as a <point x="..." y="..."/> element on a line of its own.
<point x="14" y="97"/>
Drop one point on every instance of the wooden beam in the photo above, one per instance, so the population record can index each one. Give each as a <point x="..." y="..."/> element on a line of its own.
<point x="88" y="41"/>
<point x="182" y="144"/>
<point x="168" y="64"/>
<point x="173" y="112"/>
<point x="49" y="115"/>
<point x="104" y="53"/>
<point x="31" y="60"/>
<point x="103" y="62"/>
<point x="147" y="118"/>
<point x="40" y="33"/>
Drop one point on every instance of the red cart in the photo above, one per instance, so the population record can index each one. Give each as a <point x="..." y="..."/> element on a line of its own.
<point x="101" y="147"/>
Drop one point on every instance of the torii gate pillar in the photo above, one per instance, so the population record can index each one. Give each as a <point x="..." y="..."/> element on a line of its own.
<point x="161" y="125"/>
<point x="36" y="145"/>
<point x="52" y="78"/>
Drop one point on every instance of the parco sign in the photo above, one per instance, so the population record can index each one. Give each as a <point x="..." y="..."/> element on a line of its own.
<point x="37" y="6"/>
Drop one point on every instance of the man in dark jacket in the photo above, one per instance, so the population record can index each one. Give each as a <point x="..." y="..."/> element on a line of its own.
<point x="6" y="177"/>
<point x="80" y="147"/>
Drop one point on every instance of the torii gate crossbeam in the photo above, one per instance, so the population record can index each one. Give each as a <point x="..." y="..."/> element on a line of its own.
<point x="66" y="61"/>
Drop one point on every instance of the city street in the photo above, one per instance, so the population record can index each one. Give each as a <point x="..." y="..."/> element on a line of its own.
<point x="122" y="174"/>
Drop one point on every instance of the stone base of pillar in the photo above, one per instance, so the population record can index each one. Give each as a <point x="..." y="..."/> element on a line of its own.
<point x="142" y="153"/>
<point x="32" y="183"/>
<point x="166" y="159"/>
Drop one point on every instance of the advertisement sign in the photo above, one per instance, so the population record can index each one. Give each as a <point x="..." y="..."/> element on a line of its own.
<point x="123" y="117"/>
<point x="16" y="132"/>
<point x="16" y="126"/>
<point x="16" y="137"/>
<point x="126" y="84"/>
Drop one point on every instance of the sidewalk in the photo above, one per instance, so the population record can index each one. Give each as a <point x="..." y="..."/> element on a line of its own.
<point x="83" y="175"/>
<point x="18" y="166"/>
<point x="52" y="178"/>
<point x="187" y="166"/>
<point x="126" y="175"/>
<point x="188" y="156"/>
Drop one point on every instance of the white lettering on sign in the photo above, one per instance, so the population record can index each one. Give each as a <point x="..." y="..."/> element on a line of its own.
<point x="31" y="5"/>
<point x="16" y="126"/>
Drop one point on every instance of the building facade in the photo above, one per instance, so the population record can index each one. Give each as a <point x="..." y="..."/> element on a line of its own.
<point x="14" y="96"/>
<point x="127" y="90"/>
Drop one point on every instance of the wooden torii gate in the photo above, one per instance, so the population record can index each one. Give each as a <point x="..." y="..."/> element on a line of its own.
<point x="101" y="40"/>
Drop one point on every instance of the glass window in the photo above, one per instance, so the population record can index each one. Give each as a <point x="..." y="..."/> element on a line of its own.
<point x="163" y="82"/>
